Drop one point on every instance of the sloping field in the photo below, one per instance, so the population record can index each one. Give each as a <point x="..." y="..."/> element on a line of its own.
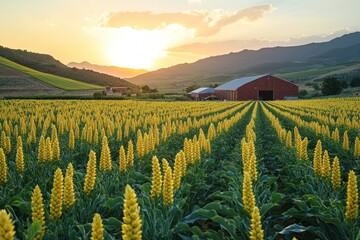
<point x="318" y="72"/>
<point x="56" y="81"/>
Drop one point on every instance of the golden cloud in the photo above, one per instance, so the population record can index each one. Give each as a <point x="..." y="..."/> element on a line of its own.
<point x="206" y="23"/>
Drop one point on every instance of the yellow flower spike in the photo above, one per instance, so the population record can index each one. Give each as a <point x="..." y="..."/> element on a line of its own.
<point x="289" y="139"/>
<point x="130" y="154"/>
<point x="96" y="137"/>
<point x="69" y="193"/>
<point x="317" y="158"/>
<point x="139" y="146"/>
<point x="70" y="170"/>
<point x="156" y="178"/>
<point x="97" y="228"/>
<point x="37" y="210"/>
<point x="208" y="146"/>
<point x="357" y="147"/>
<point x="19" y="142"/>
<point x="7" y="229"/>
<point x="19" y="160"/>
<point x="122" y="159"/>
<point x="325" y="168"/>
<point x="304" y="145"/>
<point x="248" y="194"/>
<point x="3" y="167"/>
<point x="183" y="163"/>
<point x="168" y="186"/>
<point x="256" y="231"/>
<point x="252" y="168"/>
<point x="177" y="171"/>
<point x="90" y="176"/>
<point x="41" y="150"/>
<point x="346" y="141"/>
<point x="131" y="227"/>
<point x="48" y="150"/>
<point x="56" y="149"/>
<point x="335" y="174"/>
<point x="352" y="200"/>
<point x="57" y="195"/>
<point x="71" y="140"/>
<point x="105" y="157"/>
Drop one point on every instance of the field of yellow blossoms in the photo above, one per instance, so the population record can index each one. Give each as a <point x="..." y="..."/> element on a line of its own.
<point x="74" y="169"/>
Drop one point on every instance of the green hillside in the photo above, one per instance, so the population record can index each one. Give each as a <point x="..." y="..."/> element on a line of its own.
<point x="320" y="72"/>
<point x="53" y="80"/>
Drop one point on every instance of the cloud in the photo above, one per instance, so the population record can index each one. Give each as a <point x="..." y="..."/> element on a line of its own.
<point x="205" y="23"/>
<point x="195" y="1"/>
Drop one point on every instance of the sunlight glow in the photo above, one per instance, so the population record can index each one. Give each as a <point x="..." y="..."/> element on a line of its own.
<point x="132" y="48"/>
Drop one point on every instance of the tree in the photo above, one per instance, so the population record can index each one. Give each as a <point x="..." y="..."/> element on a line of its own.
<point x="316" y="86"/>
<point x="331" y="86"/>
<point x="344" y="84"/>
<point x="147" y="89"/>
<point x="355" y="82"/>
<point x="303" y="93"/>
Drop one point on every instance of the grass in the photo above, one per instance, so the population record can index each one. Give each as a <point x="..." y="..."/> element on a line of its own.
<point x="312" y="73"/>
<point x="53" y="80"/>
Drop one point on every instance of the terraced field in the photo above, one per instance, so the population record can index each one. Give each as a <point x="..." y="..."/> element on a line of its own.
<point x="55" y="81"/>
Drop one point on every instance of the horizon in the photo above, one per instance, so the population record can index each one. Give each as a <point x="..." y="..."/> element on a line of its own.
<point x="135" y="34"/>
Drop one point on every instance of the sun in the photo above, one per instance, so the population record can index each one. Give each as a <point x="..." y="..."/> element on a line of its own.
<point x="132" y="48"/>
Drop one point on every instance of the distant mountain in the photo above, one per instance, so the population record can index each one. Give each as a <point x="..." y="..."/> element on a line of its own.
<point x="47" y="64"/>
<point x="110" y="70"/>
<point x="273" y="60"/>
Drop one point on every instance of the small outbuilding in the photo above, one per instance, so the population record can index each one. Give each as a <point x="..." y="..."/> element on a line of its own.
<point x="262" y="87"/>
<point x="202" y="93"/>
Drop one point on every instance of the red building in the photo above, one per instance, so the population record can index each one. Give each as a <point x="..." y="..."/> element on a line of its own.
<point x="263" y="87"/>
<point x="201" y="93"/>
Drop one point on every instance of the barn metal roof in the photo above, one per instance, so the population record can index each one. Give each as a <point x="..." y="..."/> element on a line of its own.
<point x="236" y="83"/>
<point x="204" y="90"/>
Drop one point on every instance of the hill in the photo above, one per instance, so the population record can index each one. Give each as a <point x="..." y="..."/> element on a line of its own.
<point x="47" y="64"/>
<point x="50" y="79"/>
<point x="110" y="70"/>
<point x="276" y="60"/>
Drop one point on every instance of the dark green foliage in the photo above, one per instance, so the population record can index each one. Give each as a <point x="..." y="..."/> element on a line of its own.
<point x="147" y="89"/>
<point x="303" y="93"/>
<point x="316" y="86"/>
<point x="99" y="95"/>
<point x="331" y="86"/>
<point x="355" y="82"/>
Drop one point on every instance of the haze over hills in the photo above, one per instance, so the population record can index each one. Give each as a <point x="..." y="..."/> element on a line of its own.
<point x="47" y="64"/>
<point x="110" y="70"/>
<point x="275" y="60"/>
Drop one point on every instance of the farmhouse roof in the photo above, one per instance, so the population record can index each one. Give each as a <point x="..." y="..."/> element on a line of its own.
<point x="236" y="83"/>
<point x="203" y="90"/>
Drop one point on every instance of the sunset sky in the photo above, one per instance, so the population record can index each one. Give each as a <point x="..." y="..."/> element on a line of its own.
<point x="161" y="33"/>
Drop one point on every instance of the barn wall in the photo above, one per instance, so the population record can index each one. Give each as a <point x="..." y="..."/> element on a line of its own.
<point x="250" y="91"/>
<point x="280" y="87"/>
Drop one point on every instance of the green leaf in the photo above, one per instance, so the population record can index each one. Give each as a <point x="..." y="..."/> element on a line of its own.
<point x="33" y="230"/>
<point x="266" y="207"/>
<point x="113" y="203"/>
<point x="301" y="205"/>
<point x="112" y="224"/>
<point x="296" y="228"/>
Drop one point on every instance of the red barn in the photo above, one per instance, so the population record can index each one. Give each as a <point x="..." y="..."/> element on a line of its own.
<point x="263" y="87"/>
<point x="201" y="93"/>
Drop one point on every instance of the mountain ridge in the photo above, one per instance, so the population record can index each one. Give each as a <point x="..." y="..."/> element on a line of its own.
<point x="247" y="62"/>
<point x="110" y="70"/>
<point x="48" y="64"/>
